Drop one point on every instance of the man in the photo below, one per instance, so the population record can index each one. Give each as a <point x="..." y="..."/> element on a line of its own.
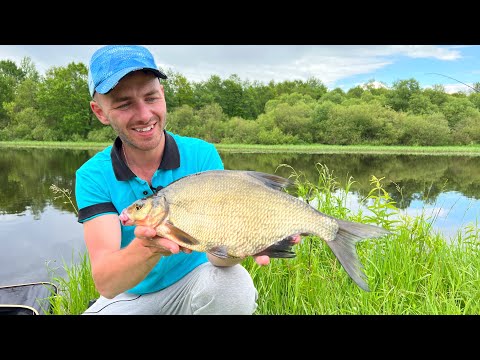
<point x="135" y="271"/>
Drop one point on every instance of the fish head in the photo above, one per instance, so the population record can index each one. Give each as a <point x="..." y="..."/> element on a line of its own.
<point x="150" y="211"/>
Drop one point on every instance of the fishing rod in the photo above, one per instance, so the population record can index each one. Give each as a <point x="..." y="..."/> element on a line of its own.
<point x="455" y="80"/>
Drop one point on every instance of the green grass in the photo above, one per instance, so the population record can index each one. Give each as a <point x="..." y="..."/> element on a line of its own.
<point x="412" y="271"/>
<point x="83" y="145"/>
<point x="471" y="150"/>
<point x="75" y="289"/>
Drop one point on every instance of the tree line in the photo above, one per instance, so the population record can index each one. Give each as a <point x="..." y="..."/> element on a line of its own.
<point x="55" y="107"/>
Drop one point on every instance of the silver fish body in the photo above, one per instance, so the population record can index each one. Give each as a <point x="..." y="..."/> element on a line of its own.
<point x="234" y="213"/>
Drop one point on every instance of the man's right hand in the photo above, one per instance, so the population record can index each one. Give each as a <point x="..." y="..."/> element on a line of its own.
<point x="149" y="238"/>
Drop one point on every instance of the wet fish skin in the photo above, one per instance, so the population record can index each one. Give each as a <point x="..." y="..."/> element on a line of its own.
<point x="236" y="213"/>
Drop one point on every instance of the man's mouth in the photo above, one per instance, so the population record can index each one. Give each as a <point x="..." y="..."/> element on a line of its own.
<point x="145" y="129"/>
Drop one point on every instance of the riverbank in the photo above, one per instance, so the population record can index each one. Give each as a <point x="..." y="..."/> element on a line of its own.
<point x="471" y="150"/>
<point x="411" y="271"/>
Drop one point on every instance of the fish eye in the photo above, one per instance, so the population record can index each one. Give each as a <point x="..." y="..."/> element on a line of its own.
<point x="138" y="207"/>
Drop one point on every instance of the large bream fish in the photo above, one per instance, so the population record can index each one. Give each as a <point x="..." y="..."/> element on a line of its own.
<point x="234" y="213"/>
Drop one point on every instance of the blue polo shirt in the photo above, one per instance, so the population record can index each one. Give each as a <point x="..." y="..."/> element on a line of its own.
<point x="105" y="185"/>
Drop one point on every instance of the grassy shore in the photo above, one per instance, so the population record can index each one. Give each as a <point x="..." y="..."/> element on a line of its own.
<point x="412" y="271"/>
<point x="471" y="150"/>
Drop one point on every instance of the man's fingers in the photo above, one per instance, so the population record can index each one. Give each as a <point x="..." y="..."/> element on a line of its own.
<point x="165" y="246"/>
<point x="145" y="232"/>
<point x="297" y="238"/>
<point x="169" y="245"/>
<point x="262" y="260"/>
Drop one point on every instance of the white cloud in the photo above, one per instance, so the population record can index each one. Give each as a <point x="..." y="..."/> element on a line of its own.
<point x="328" y="63"/>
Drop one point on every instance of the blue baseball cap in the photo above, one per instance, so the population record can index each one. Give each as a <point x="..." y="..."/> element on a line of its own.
<point x="111" y="63"/>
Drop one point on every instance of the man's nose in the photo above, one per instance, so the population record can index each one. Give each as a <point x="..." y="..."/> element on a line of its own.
<point x="143" y="111"/>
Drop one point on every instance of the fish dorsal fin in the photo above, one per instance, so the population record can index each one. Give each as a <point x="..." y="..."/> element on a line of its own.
<point x="179" y="236"/>
<point x="273" y="181"/>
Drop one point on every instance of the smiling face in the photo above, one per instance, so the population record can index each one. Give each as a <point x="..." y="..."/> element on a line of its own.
<point x="135" y="108"/>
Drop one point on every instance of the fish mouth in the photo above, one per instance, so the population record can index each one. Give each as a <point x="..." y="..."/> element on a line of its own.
<point x="125" y="219"/>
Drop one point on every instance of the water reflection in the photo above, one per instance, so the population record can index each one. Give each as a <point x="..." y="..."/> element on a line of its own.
<point x="38" y="227"/>
<point x="407" y="177"/>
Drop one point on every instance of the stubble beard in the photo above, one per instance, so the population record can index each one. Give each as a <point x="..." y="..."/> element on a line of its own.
<point x="150" y="145"/>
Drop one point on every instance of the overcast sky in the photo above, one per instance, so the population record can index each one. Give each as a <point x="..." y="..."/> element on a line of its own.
<point x="343" y="66"/>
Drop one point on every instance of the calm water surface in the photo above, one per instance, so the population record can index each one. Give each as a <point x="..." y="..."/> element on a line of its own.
<point x="39" y="232"/>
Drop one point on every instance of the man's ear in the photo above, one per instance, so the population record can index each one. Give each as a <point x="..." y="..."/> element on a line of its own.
<point x="98" y="111"/>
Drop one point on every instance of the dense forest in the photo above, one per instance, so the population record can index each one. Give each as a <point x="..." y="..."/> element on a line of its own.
<point x="55" y="107"/>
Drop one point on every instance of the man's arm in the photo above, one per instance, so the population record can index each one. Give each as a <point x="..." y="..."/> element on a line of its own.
<point x="116" y="270"/>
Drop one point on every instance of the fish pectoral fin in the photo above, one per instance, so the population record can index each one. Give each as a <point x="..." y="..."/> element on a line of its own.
<point x="220" y="251"/>
<point x="280" y="249"/>
<point x="178" y="235"/>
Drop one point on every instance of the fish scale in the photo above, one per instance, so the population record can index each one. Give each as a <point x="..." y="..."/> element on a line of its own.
<point x="235" y="213"/>
<point x="247" y="226"/>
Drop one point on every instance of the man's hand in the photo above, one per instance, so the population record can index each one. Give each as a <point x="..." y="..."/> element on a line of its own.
<point x="157" y="244"/>
<point x="265" y="260"/>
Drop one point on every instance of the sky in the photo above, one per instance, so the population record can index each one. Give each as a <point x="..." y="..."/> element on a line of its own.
<point x="343" y="66"/>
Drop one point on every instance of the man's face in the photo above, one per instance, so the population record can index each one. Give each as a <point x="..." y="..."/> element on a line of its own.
<point x="135" y="109"/>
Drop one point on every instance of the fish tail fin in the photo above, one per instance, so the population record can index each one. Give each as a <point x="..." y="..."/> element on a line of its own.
<point x="343" y="246"/>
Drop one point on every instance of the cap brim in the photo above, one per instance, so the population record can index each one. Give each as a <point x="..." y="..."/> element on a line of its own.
<point x="108" y="84"/>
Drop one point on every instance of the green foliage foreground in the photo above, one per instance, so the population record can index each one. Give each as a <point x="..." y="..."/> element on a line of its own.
<point x="413" y="271"/>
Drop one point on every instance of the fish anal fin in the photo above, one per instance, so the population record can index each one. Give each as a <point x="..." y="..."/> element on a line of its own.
<point x="170" y="231"/>
<point x="280" y="249"/>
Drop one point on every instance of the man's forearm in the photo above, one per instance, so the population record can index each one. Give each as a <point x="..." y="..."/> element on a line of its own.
<point x="121" y="270"/>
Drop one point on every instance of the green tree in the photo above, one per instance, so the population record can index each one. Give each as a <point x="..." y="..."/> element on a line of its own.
<point x="457" y="108"/>
<point x="231" y="96"/>
<point x="467" y="130"/>
<point x="207" y="92"/>
<point x="476" y="87"/>
<point x="256" y="95"/>
<point x="474" y="98"/>
<point x="320" y="115"/>
<point x="178" y="90"/>
<point x="10" y="76"/>
<point x="183" y="121"/>
<point x="437" y="95"/>
<point x="336" y="96"/>
<point x="213" y="122"/>
<point x="24" y="105"/>
<point x="295" y="120"/>
<point x="421" y="104"/>
<point x="431" y="130"/>
<point x="399" y="97"/>
<point x="355" y="92"/>
<point x="63" y="100"/>
<point x="357" y="124"/>
<point x="312" y="87"/>
<point x="241" y="131"/>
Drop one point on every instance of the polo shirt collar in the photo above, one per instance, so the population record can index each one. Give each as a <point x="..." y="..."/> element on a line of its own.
<point x="170" y="159"/>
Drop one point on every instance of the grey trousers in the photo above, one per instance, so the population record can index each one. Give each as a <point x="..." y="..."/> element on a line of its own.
<point x="207" y="290"/>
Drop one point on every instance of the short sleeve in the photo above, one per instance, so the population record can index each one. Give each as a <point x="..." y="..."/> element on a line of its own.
<point x="92" y="193"/>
